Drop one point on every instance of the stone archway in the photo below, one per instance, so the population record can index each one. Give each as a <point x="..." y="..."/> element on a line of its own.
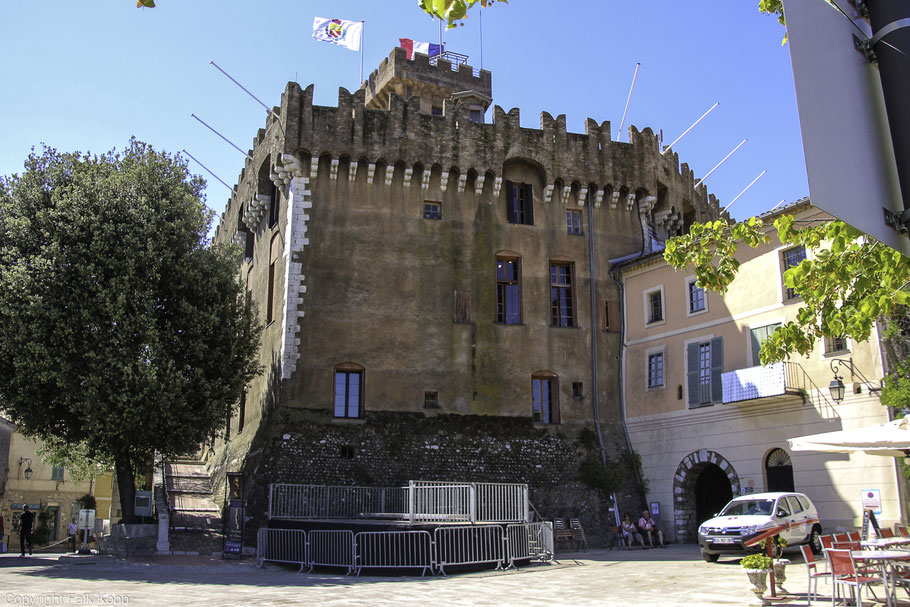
<point x="684" y="483"/>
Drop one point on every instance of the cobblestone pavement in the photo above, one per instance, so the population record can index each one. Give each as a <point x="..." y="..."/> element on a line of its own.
<point x="672" y="577"/>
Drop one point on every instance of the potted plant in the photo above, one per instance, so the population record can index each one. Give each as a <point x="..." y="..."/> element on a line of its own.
<point x="757" y="567"/>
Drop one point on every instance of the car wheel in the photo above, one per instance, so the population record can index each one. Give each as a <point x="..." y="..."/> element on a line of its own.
<point x="815" y="540"/>
<point x="710" y="558"/>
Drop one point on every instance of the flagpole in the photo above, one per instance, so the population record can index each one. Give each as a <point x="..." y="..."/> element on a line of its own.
<point x="361" y="53"/>
<point x="480" y="19"/>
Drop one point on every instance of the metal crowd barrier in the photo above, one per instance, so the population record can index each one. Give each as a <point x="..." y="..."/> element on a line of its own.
<point x="395" y="550"/>
<point x="420" y="501"/>
<point x="282" y="546"/>
<point x="529" y="541"/>
<point x="469" y="545"/>
<point x="456" y="545"/>
<point x="332" y="548"/>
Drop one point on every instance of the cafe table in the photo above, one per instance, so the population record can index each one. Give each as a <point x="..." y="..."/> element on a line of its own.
<point x="885" y="560"/>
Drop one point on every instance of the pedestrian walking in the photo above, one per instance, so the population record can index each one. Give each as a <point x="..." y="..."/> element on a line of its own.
<point x="26" y="526"/>
<point x="71" y="531"/>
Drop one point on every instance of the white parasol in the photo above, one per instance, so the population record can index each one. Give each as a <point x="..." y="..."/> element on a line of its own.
<point x="891" y="438"/>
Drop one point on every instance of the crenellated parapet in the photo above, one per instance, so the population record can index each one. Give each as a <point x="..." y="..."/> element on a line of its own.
<point x="577" y="167"/>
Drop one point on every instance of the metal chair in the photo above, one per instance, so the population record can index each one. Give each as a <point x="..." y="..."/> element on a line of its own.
<point x="580" y="538"/>
<point x="814" y="573"/>
<point x="844" y="573"/>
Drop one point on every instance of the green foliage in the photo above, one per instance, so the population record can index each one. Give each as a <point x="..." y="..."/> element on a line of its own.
<point x="452" y="10"/>
<point x="592" y="473"/>
<point x="848" y="282"/>
<point x="73" y="457"/>
<point x="756" y="561"/>
<point x="145" y="3"/>
<point x="122" y="330"/>
<point x="774" y="7"/>
<point x="87" y="502"/>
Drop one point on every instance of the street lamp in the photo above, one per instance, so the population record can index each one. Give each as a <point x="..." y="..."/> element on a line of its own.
<point x="836" y="387"/>
<point x="28" y="466"/>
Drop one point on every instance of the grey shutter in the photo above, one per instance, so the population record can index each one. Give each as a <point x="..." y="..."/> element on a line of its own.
<point x="529" y="204"/>
<point x="717" y="368"/>
<point x="510" y="216"/>
<point x="692" y="374"/>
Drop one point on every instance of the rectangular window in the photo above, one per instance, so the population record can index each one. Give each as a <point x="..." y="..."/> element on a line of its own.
<point x="241" y="413"/>
<point x="436" y="110"/>
<point x="250" y="246"/>
<point x="656" y="370"/>
<point x="611" y="316"/>
<point x="545" y="407"/>
<point x="432" y="210"/>
<point x="475" y="115"/>
<point x="578" y="389"/>
<point x="696" y="298"/>
<point x="759" y="335"/>
<point x="519" y="203"/>
<point x="655" y="307"/>
<point x="431" y="400"/>
<point x="348" y="393"/>
<point x="834" y="345"/>
<point x="792" y="258"/>
<point x="508" y="291"/>
<point x="274" y="206"/>
<point x="704" y="366"/>
<point x="463" y="312"/>
<point x="562" y="312"/>
<point x="270" y="304"/>
<point x="573" y="222"/>
<point x="57" y="473"/>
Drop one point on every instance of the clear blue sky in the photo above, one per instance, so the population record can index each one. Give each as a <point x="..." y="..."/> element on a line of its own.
<point x="86" y="75"/>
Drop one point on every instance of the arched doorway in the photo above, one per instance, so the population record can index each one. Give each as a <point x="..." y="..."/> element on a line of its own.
<point x="712" y="492"/>
<point x="704" y="482"/>
<point x="779" y="471"/>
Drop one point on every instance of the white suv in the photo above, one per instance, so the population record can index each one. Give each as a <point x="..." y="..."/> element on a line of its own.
<point x="748" y="515"/>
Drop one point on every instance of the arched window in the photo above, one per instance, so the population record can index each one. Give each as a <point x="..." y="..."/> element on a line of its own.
<point x="779" y="471"/>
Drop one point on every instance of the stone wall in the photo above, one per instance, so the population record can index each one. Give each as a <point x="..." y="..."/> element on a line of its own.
<point x="388" y="449"/>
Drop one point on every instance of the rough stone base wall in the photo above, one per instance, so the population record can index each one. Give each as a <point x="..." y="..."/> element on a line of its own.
<point x="388" y="449"/>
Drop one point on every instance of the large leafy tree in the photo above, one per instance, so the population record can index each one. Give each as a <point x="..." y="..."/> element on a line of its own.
<point x="122" y="330"/>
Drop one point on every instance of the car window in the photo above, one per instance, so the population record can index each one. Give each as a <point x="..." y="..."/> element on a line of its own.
<point x="804" y="501"/>
<point x="745" y="507"/>
<point x="782" y="505"/>
<point x="795" y="506"/>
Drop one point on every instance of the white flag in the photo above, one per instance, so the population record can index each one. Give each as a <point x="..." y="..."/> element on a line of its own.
<point x="338" y="31"/>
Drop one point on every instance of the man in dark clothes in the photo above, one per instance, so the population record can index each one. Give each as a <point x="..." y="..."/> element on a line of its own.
<point x="26" y="524"/>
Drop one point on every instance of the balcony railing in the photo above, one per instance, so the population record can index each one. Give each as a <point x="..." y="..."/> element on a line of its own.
<point x="775" y="380"/>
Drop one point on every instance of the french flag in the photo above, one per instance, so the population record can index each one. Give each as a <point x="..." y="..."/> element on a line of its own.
<point x="425" y="48"/>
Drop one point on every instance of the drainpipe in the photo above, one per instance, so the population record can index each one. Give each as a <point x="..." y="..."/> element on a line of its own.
<point x="593" y="294"/>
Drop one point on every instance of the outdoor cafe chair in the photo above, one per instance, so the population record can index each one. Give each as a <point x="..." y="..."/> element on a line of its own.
<point x="887" y="533"/>
<point x="854" y="536"/>
<point x="814" y="573"/>
<point x="902" y="530"/>
<point x="845" y="574"/>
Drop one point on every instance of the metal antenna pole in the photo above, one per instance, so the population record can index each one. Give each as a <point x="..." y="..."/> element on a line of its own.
<point x="362" y="28"/>
<point x="778" y="204"/>
<point x="669" y="147"/>
<point x="209" y="170"/>
<point x="222" y="136"/>
<point x="700" y="181"/>
<point x="744" y="191"/>
<point x="267" y="108"/>
<point x="623" y="121"/>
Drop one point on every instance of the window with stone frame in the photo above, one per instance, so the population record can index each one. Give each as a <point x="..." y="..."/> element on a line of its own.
<point x="519" y="203"/>
<point x="562" y="300"/>
<point x="655" y="370"/>
<point x="573" y="222"/>
<point x="790" y="258"/>
<point x="348" y="393"/>
<point x="545" y="397"/>
<point x="432" y="209"/>
<point x="704" y="367"/>
<point x="835" y="345"/>
<point x="274" y="205"/>
<point x="696" y="294"/>
<point x="654" y="312"/>
<point x="508" y="290"/>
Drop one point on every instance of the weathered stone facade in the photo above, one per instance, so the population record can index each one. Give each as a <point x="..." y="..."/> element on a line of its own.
<point x="351" y="275"/>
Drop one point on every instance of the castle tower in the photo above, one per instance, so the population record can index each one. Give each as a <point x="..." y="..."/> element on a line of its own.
<point x="432" y="80"/>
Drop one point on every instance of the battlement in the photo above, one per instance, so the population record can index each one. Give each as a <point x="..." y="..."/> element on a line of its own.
<point x="401" y="138"/>
<point x="418" y="76"/>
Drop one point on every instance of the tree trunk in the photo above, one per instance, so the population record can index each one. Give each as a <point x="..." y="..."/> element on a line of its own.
<point x="126" y="485"/>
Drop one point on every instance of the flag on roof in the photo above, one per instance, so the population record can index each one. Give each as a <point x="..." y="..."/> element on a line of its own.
<point x="338" y="31"/>
<point x="426" y="48"/>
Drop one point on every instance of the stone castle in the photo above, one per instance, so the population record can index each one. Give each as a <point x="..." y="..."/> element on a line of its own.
<point x="436" y="290"/>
